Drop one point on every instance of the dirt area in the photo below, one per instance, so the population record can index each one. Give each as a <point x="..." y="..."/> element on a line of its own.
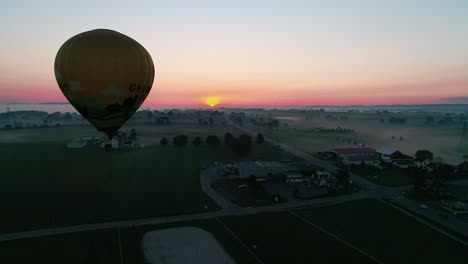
<point x="183" y="245"/>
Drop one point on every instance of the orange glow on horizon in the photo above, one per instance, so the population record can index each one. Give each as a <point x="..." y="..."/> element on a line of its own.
<point x="212" y="101"/>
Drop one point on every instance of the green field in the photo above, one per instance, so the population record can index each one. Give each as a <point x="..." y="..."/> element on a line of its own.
<point x="85" y="247"/>
<point x="389" y="176"/>
<point x="43" y="184"/>
<point x="101" y="247"/>
<point x="369" y="228"/>
<point x="387" y="234"/>
<point x="283" y="238"/>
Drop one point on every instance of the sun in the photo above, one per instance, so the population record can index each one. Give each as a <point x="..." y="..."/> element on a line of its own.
<point x="212" y="101"/>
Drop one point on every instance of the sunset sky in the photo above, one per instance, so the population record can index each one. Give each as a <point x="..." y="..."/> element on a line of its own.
<point x="254" y="53"/>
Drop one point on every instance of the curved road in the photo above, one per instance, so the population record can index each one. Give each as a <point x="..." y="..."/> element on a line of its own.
<point x="229" y="209"/>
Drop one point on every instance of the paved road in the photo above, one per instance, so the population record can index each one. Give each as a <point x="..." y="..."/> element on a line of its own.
<point x="393" y="194"/>
<point x="229" y="209"/>
<point x="178" y="218"/>
<point x="207" y="177"/>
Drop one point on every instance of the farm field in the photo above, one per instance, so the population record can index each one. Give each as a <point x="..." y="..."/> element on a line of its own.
<point x="331" y="234"/>
<point x="385" y="233"/>
<point x="389" y="176"/>
<point x="297" y="129"/>
<point x="43" y="184"/>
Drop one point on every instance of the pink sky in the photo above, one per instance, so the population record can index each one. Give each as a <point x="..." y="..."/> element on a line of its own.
<point x="255" y="53"/>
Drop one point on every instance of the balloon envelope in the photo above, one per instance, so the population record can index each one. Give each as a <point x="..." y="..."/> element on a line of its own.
<point x="105" y="75"/>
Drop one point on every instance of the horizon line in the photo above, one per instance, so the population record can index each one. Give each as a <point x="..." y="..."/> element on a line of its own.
<point x="253" y="106"/>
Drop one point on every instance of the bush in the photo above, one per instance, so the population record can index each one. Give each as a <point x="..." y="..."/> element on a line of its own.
<point x="163" y="142"/>
<point x="260" y="139"/>
<point x="212" y="140"/>
<point x="422" y="155"/>
<point x="180" y="140"/>
<point x="228" y="139"/>
<point x="243" y="145"/>
<point x="197" y="141"/>
<point x="397" y="120"/>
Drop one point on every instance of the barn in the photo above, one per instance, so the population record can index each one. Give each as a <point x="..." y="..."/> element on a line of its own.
<point x="364" y="155"/>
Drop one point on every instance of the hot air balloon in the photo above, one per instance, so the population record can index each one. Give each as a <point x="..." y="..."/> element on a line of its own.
<point x="105" y="75"/>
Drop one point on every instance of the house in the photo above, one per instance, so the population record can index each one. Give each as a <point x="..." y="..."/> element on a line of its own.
<point x="89" y="142"/>
<point x="293" y="177"/>
<point x="323" y="174"/>
<point x="261" y="170"/>
<point x="423" y="164"/>
<point x="332" y="182"/>
<point x="461" y="170"/>
<point x="385" y="153"/>
<point x="78" y="143"/>
<point x="392" y="155"/>
<point x="361" y="155"/>
<point x="115" y="144"/>
<point x="120" y="140"/>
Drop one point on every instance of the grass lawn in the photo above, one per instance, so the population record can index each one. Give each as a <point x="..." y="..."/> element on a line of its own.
<point x="385" y="233"/>
<point x="102" y="246"/>
<point x="284" y="238"/>
<point x="388" y="176"/>
<point x="374" y="227"/>
<point x="98" y="247"/>
<point x="44" y="184"/>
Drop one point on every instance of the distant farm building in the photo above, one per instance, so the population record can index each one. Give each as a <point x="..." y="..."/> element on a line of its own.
<point x="294" y="177"/>
<point x="356" y="155"/>
<point x="261" y="170"/>
<point x="91" y="142"/>
<point x="388" y="154"/>
<point x="119" y="141"/>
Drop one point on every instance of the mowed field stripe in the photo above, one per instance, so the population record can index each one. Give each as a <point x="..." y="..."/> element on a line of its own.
<point x="334" y="236"/>
<point x="417" y="218"/>
<point x="238" y="239"/>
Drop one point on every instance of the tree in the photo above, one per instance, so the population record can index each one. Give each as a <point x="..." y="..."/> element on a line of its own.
<point x="210" y="120"/>
<point x="212" y="140"/>
<point x="429" y="120"/>
<point x="243" y="145"/>
<point x="133" y="135"/>
<point x="260" y="139"/>
<point x="253" y="182"/>
<point x="397" y="120"/>
<point x="228" y="139"/>
<point x="196" y="141"/>
<point x="274" y="123"/>
<point x="419" y="177"/>
<point x="163" y="142"/>
<point x="343" y="177"/>
<point x="444" y="171"/>
<point x="422" y="155"/>
<point x="180" y="140"/>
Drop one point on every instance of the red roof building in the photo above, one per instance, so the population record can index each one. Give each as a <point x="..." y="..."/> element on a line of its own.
<point x="356" y="154"/>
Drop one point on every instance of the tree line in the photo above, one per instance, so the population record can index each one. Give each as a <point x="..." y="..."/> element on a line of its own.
<point x="240" y="145"/>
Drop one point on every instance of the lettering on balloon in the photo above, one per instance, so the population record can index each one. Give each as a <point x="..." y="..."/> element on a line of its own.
<point x="137" y="88"/>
